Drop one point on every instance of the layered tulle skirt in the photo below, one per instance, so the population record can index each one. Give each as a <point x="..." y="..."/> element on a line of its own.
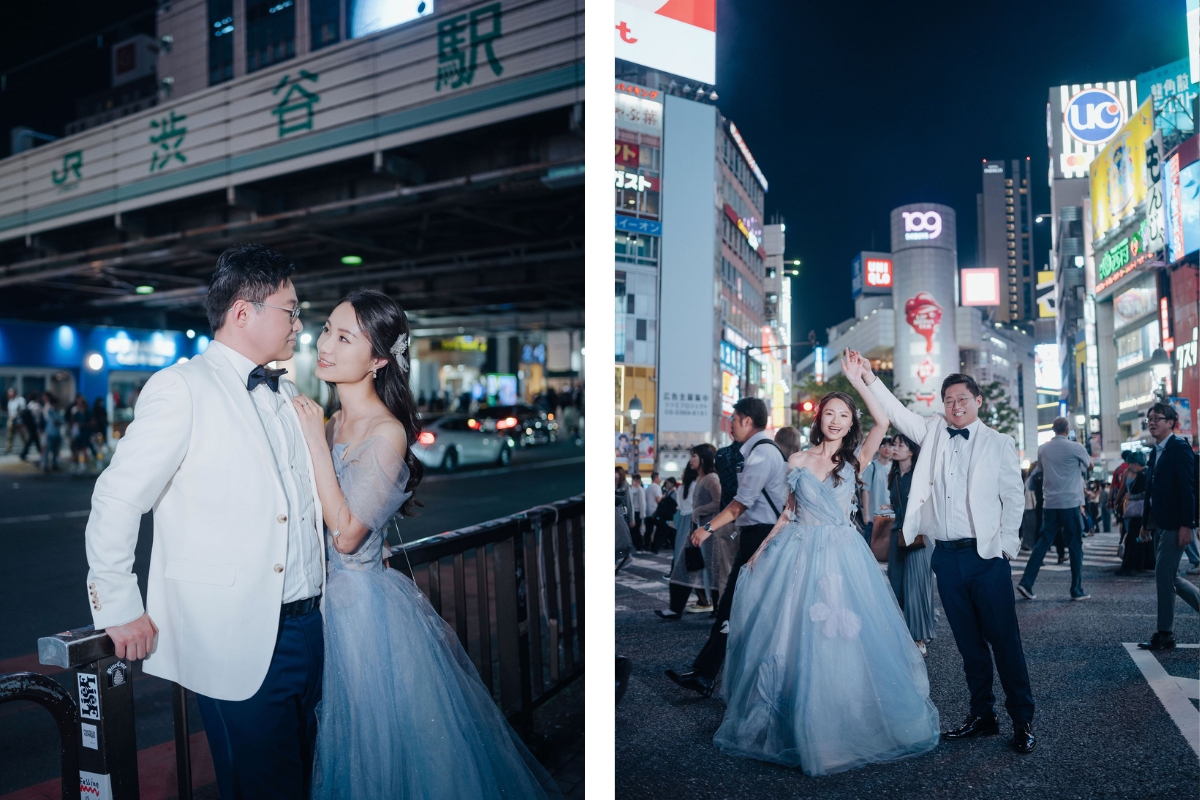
<point x="821" y="671"/>
<point x="403" y="712"/>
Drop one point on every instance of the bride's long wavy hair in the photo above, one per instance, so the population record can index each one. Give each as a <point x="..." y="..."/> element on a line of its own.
<point x="850" y="442"/>
<point x="384" y="321"/>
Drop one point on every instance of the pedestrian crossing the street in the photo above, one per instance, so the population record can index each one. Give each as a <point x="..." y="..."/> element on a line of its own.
<point x="1098" y="551"/>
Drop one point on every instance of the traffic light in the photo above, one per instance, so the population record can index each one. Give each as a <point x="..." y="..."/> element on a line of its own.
<point x="807" y="406"/>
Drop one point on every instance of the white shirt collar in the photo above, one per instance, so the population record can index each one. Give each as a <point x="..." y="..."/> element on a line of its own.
<point x="240" y="363"/>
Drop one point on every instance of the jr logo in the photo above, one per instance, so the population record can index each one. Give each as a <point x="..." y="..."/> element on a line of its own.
<point x="1094" y="116"/>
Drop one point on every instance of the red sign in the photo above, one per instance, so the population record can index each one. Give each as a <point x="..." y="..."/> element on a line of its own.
<point x="879" y="272"/>
<point x="925" y="370"/>
<point x="628" y="155"/>
<point x="637" y="91"/>
<point x="926" y="397"/>
<point x="924" y="314"/>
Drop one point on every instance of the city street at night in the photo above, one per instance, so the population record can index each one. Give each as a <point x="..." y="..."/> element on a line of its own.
<point x="42" y="520"/>
<point x="1104" y="729"/>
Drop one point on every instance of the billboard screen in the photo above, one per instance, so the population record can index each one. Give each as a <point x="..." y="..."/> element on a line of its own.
<point x="980" y="286"/>
<point x="1047" y="295"/>
<point x="1117" y="174"/>
<point x="1046" y="372"/>
<point x="675" y="37"/>
<point x="1171" y="91"/>
<point x="1181" y="205"/>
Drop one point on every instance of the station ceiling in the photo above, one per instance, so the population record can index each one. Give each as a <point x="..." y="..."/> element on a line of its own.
<point x="478" y="231"/>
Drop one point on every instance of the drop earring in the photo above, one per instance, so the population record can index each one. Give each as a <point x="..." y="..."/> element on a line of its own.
<point x="373" y="373"/>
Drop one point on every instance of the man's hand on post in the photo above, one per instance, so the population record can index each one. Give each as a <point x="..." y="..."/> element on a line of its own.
<point x="133" y="640"/>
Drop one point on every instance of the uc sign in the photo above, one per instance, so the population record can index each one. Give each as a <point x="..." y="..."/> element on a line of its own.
<point x="1094" y="116"/>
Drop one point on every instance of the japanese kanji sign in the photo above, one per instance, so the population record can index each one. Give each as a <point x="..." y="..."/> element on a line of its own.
<point x="295" y="108"/>
<point x="168" y="139"/>
<point x="459" y="41"/>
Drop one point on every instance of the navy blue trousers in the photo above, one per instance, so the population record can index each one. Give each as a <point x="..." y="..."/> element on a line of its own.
<point x="977" y="594"/>
<point x="263" y="747"/>
<point x="1070" y="523"/>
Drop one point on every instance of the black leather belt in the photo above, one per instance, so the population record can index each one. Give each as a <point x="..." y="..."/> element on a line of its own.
<point x="298" y="608"/>
<point x="957" y="544"/>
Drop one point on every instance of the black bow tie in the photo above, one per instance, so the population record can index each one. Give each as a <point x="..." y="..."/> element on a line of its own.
<point x="963" y="432"/>
<point x="261" y="374"/>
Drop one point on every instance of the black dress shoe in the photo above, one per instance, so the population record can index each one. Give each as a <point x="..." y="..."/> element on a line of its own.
<point x="690" y="680"/>
<point x="1023" y="739"/>
<point x="974" y="726"/>
<point x="1161" y="640"/>
<point x="668" y="614"/>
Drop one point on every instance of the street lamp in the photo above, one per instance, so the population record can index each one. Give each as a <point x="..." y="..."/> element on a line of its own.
<point x="635" y="413"/>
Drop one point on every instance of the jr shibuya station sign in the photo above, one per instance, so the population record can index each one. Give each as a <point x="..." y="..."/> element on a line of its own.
<point x="463" y="67"/>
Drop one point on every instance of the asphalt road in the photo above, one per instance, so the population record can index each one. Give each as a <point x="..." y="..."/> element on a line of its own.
<point x="43" y="571"/>
<point x="1103" y="731"/>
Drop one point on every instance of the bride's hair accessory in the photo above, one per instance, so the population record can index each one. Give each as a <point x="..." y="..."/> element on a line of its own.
<point x="399" y="349"/>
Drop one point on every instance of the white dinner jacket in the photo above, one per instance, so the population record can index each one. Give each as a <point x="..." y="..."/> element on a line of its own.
<point x="995" y="494"/>
<point x="197" y="455"/>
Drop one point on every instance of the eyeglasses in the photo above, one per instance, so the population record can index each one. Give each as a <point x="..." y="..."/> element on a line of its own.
<point x="961" y="402"/>
<point x="1156" y="419"/>
<point x="294" y="313"/>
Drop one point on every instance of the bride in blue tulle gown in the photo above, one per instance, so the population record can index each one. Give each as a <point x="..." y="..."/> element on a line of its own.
<point x="821" y="671"/>
<point x="403" y="713"/>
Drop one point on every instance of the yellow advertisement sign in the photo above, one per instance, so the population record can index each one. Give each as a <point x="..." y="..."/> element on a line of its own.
<point x="1117" y="175"/>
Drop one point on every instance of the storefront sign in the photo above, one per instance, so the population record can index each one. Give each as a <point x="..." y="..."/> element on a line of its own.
<point x="1155" y="219"/>
<point x="879" y="273"/>
<point x="632" y="180"/>
<point x="627" y="155"/>
<point x="1133" y="304"/>
<point x="679" y="38"/>
<point x="1117" y="176"/>
<point x="475" y="344"/>
<point x="157" y="351"/>
<point x="632" y="225"/>
<point x="921" y="225"/>
<point x="741" y="143"/>
<point x="1123" y="258"/>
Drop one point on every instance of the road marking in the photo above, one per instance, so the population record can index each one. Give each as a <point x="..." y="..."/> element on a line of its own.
<point x="1172" y="692"/>
<point x="479" y="473"/>
<point x="44" y="517"/>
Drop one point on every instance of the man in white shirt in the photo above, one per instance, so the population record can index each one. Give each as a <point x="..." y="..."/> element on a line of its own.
<point x="16" y="404"/>
<point x="237" y="565"/>
<point x="649" y="523"/>
<point x="968" y="497"/>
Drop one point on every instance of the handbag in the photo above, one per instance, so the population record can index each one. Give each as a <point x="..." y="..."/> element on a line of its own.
<point x="693" y="559"/>
<point x="1135" y="506"/>
<point x="918" y="544"/>
<point x="881" y="537"/>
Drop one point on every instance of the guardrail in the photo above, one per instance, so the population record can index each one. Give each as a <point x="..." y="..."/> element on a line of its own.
<point x="513" y="590"/>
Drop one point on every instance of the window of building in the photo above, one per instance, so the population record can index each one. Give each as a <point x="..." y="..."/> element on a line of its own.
<point x="619" y="328"/>
<point x="270" y="32"/>
<point x="641" y="330"/>
<point x="637" y="248"/>
<point x="323" y="21"/>
<point x="630" y="303"/>
<point x="220" y="41"/>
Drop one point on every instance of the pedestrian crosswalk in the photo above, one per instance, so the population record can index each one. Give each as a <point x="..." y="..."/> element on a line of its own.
<point x="1098" y="551"/>
<point x="1175" y="693"/>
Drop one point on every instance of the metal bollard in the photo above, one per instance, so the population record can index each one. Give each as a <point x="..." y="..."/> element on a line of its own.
<point x="49" y="695"/>
<point x="107" y="747"/>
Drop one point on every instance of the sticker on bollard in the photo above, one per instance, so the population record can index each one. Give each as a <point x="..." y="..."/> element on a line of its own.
<point x="89" y="696"/>
<point x="94" y="787"/>
<point x="90" y="739"/>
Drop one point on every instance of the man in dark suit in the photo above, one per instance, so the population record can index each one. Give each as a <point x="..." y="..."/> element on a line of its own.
<point x="1171" y="513"/>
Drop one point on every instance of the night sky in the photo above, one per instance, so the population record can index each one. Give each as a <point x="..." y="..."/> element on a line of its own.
<point x="854" y="108"/>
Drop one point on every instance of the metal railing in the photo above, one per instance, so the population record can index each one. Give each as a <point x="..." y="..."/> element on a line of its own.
<point x="511" y="588"/>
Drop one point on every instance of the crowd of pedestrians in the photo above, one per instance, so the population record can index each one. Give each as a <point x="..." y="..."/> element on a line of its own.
<point x="40" y="423"/>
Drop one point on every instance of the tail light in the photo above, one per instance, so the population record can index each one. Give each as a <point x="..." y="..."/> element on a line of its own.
<point x="473" y="424"/>
<point x="507" y="422"/>
<point x="425" y="438"/>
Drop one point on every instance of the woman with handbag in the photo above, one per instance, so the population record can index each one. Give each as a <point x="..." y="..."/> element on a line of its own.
<point x="910" y="569"/>
<point x="692" y="570"/>
<point x="1134" y="558"/>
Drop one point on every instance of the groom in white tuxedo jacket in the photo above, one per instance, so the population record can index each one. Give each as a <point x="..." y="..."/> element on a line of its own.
<point x="237" y="566"/>
<point x="967" y="496"/>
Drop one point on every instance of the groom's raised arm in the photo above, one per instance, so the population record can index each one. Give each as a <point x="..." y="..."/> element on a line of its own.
<point x="145" y="460"/>
<point x="907" y="421"/>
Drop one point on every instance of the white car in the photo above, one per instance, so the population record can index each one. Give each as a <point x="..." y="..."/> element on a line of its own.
<point x="456" y="440"/>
